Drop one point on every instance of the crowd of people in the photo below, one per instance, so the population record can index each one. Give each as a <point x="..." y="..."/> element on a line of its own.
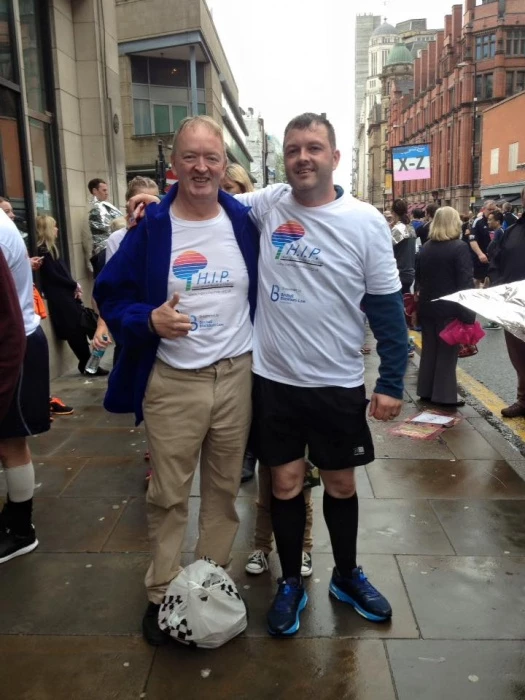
<point x="238" y="318"/>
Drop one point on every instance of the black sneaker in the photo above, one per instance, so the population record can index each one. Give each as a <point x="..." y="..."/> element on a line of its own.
<point x="150" y="627"/>
<point x="288" y="604"/>
<point x="361" y="595"/>
<point x="13" y="545"/>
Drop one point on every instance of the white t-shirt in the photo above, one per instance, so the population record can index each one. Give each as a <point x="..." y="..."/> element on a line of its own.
<point x="315" y="265"/>
<point x="209" y="273"/>
<point x="15" y="253"/>
<point x="113" y="243"/>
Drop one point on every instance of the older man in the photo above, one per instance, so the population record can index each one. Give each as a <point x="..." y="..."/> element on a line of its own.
<point x="179" y="297"/>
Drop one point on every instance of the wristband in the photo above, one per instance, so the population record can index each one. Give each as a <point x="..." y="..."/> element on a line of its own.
<point x="151" y="327"/>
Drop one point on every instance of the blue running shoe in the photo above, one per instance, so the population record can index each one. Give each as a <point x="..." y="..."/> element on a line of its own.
<point x="288" y="604"/>
<point x="361" y="595"/>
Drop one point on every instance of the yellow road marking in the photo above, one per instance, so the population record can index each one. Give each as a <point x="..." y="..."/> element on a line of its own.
<point x="485" y="396"/>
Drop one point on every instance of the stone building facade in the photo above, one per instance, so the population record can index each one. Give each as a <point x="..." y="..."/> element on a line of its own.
<point x="60" y="122"/>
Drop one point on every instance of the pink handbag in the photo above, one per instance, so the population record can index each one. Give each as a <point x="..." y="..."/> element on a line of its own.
<point x="459" y="333"/>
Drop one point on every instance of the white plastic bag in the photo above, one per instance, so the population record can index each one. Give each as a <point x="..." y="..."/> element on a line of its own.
<point x="202" y="606"/>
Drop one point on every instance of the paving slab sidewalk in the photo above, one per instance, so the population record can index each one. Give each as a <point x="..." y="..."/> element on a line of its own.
<point x="441" y="534"/>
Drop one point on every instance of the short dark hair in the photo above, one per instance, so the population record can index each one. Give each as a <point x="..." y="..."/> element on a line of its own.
<point x="418" y="213"/>
<point x="95" y="184"/>
<point x="497" y="215"/>
<point x="308" y="119"/>
<point x="432" y="209"/>
<point x="4" y="199"/>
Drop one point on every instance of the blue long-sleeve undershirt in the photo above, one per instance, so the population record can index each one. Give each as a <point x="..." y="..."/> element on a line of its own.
<point x="386" y="316"/>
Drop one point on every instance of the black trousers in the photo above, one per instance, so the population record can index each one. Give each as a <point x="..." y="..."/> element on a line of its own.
<point x="437" y="368"/>
<point x="78" y="342"/>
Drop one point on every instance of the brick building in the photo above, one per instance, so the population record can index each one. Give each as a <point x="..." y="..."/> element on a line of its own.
<point x="503" y="156"/>
<point x="475" y="62"/>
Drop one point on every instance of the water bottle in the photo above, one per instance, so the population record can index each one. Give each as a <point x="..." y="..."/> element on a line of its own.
<point x="94" y="360"/>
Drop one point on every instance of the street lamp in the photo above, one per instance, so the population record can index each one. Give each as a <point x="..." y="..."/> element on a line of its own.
<point x="463" y="64"/>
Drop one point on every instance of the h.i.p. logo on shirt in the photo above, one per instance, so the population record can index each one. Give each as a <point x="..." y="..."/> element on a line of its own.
<point x="191" y="263"/>
<point x="287" y="239"/>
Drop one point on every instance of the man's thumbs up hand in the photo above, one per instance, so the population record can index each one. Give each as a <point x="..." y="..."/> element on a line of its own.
<point x="168" y="322"/>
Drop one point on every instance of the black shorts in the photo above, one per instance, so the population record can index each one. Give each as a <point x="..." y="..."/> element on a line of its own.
<point x="28" y="413"/>
<point x="330" y="421"/>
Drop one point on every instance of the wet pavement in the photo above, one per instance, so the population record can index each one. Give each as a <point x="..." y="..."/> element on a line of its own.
<point x="442" y="535"/>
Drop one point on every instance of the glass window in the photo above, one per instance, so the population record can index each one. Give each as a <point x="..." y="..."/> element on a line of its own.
<point x="167" y="72"/>
<point x="520" y="81"/>
<point x="516" y="41"/>
<point x="161" y="119"/>
<point x="479" y="86"/>
<point x="7" y="70"/>
<point x="42" y="167"/>
<point x="479" y="48"/>
<point x="201" y="108"/>
<point x="31" y="21"/>
<point x="142" y="117"/>
<point x="139" y="69"/>
<point x="200" y="75"/>
<point x="11" y="181"/>
<point x="510" y="81"/>
<point x="178" y="112"/>
<point x="489" y="83"/>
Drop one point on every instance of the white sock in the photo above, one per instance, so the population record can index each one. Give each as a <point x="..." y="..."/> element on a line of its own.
<point x="20" y="482"/>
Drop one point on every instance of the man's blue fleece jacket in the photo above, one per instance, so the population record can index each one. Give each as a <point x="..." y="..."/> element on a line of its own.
<point x="135" y="281"/>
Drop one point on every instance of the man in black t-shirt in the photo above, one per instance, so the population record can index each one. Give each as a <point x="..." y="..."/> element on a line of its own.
<point x="479" y="240"/>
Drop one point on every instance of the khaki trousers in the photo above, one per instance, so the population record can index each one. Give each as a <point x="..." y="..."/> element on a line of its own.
<point x="187" y="412"/>
<point x="263" y="519"/>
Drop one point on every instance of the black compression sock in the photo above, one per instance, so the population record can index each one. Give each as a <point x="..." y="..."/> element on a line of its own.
<point x="342" y="516"/>
<point x="289" y="520"/>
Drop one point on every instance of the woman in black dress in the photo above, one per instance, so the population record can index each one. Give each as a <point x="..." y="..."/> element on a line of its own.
<point x="444" y="266"/>
<point x="63" y="294"/>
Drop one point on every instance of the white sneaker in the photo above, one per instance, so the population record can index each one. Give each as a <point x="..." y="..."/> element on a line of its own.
<point x="306" y="566"/>
<point x="257" y="562"/>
